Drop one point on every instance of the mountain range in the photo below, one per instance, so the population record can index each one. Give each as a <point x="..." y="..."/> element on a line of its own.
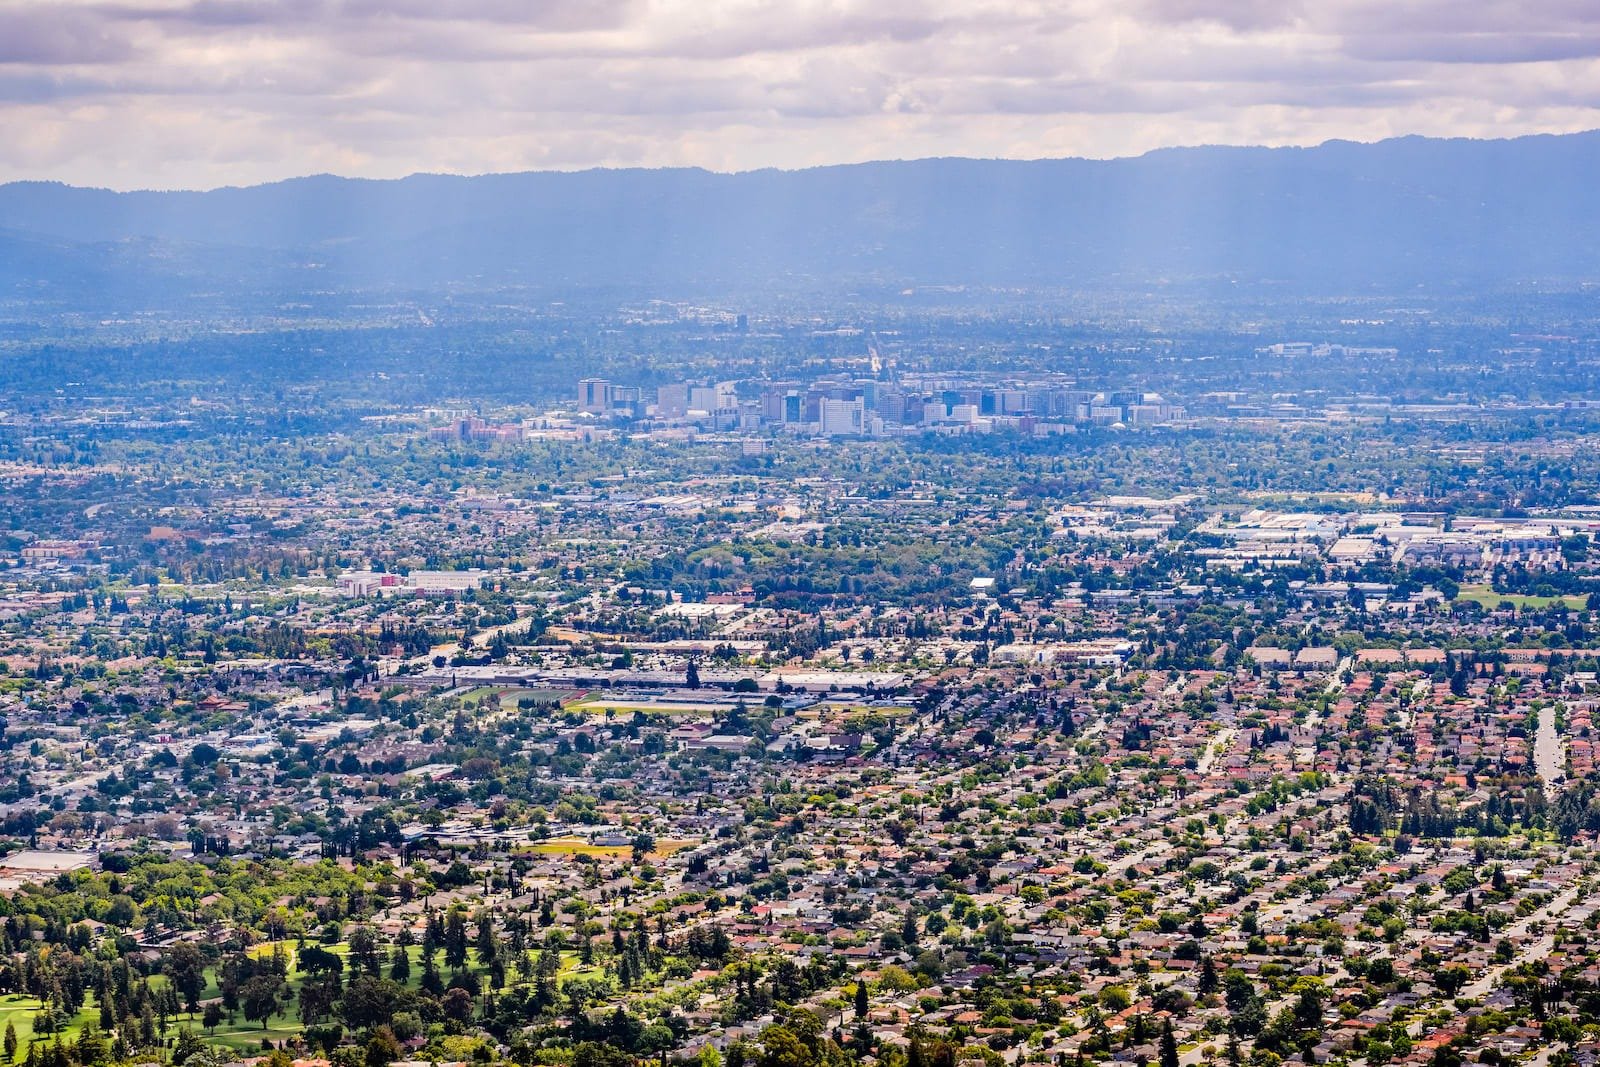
<point x="1340" y="216"/>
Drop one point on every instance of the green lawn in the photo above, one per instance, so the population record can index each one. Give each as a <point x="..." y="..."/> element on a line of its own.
<point x="238" y="1033"/>
<point x="1482" y="594"/>
<point x="545" y="697"/>
<point x="19" y="1012"/>
<point x="508" y="696"/>
<point x="247" y="1037"/>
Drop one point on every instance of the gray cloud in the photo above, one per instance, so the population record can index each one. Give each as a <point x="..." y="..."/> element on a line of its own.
<point x="556" y="15"/>
<point x="226" y="14"/>
<point x="39" y="36"/>
<point x="1480" y="47"/>
<point x="162" y="92"/>
<point x="39" y="87"/>
<point x="1487" y="32"/>
<point x="1239" y="15"/>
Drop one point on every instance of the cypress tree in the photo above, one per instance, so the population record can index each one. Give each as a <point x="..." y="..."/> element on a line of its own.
<point x="1169" y="1046"/>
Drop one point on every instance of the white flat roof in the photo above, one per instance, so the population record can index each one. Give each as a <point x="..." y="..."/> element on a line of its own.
<point x="41" y="861"/>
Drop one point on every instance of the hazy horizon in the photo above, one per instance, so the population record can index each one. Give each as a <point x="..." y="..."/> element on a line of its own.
<point x="604" y="168"/>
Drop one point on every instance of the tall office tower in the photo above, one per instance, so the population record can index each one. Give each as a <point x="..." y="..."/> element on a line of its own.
<point x="704" y="398"/>
<point x="672" y="401"/>
<point x="842" y="417"/>
<point x="594" y="396"/>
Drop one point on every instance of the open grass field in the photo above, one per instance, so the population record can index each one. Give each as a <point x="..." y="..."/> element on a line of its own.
<point x="247" y="1037"/>
<point x="1482" y="594"/>
<point x="242" y="1035"/>
<point x="508" y="696"/>
<point x="20" y="1011"/>
<point x="237" y="1033"/>
<point x="891" y="711"/>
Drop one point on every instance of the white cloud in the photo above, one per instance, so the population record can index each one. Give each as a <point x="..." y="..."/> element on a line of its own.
<point x="204" y="92"/>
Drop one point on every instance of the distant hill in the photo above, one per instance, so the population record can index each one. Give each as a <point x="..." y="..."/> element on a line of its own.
<point x="1340" y="216"/>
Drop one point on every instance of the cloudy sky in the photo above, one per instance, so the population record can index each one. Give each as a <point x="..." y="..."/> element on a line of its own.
<point x="198" y="93"/>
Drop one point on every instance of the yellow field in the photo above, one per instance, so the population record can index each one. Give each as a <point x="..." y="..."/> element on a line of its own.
<point x="572" y="846"/>
<point x="600" y="707"/>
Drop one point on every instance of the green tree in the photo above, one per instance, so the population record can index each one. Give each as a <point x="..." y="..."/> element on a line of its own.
<point x="370" y="1002"/>
<point x="186" y="968"/>
<point x="597" y="1054"/>
<point x="383" y="1048"/>
<point x="1169" y="1046"/>
<point x="1115" y="998"/>
<point x="91" y="1048"/>
<point x="1208" y="976"/>
<point x="780" y="1047"/>
<point x="455" y="939"/>
<point x="186" y="1047"/>
<point x="657" y="1039"/>
<point x="1451" y="979"/>
<point x="400" y="965"/>
<point x="259" y="997"/>
<point x="908" y="929"/>
<point x="364" y="954"/>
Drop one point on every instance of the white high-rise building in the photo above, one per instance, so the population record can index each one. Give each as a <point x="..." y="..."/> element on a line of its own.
<point x="842" y="417"/>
